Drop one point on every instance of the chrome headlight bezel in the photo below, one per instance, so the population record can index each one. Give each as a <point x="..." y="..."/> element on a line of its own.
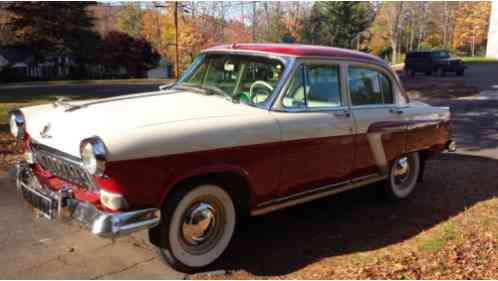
<point x="17" y="124"/>
<point x="93" y="154"/>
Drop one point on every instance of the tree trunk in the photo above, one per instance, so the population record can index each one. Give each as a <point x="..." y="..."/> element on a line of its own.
<point x="394" y="46"/>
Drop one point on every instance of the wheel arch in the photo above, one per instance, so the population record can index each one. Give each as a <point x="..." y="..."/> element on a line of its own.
<point x="424" y="155"/>
<point x="235" y="182"/>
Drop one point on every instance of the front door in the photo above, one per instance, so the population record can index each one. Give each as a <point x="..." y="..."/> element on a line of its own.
<point x="380" y="126"/>
<point x="316" y="126"/>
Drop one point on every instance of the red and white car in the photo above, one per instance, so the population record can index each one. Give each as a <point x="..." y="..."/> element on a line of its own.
<point x="246" y="130"/>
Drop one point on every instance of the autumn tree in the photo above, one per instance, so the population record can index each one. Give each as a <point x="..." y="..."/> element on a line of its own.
<point x="105" y="17"/>
<point x="136" y="55"/>
<point x="471" y="25"/>
<point x="54" y="30"/>
<point x="7" y="35"/>
<point x="151" y="27"/>
<point x="129" y="19"/>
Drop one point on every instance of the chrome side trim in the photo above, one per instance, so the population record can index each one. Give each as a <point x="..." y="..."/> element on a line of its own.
<point x="324" y="191"/>
<point x="304" y="193"/>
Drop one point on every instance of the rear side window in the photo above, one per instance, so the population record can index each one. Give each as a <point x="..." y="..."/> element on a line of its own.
<point x="369" y="87"/>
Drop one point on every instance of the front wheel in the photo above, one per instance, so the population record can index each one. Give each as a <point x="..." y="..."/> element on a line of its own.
<point x="196" y="227"/>
<point x="403" y="177"/>
<point x="441" y="72"/>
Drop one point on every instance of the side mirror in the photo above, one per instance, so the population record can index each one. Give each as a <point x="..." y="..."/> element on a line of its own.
<point x="166" y="86"/>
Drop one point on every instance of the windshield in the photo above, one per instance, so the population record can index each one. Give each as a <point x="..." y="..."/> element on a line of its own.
<point x="440" y="55"/>
<point x="241" y="78"/>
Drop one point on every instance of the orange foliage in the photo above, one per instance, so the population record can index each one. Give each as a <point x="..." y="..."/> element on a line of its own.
<point x="472" y="20"/>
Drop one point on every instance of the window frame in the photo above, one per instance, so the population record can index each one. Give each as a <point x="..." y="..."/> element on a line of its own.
<point x="396" y="90"/>
<point x="279" y="105"/>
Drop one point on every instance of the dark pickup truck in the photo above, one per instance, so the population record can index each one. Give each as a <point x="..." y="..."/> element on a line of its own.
<point x="436" y="61"/>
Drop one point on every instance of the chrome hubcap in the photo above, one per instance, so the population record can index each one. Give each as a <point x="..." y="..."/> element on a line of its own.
<point x="202" y="226"/>
<point x="401" y="173"/>
<point x="198" y="223"/>
<point x="401" y="167"/>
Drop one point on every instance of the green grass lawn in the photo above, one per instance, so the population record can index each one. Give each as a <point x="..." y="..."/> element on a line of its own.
<point x="479" y="60"/>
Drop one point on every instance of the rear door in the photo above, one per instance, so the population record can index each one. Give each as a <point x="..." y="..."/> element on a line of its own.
<point x="380" y="128"/>
<point x="317" y="129"/>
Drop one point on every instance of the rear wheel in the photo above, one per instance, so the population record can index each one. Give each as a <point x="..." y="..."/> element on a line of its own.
<point x="196" y="227"/>
<point x="403" y="177"/>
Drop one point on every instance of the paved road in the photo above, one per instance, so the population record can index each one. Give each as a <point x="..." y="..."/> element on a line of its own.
<point x="10" y="93"/>
<point x="282" y="242"/>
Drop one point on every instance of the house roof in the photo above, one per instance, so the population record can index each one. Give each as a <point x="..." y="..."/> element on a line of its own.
<point x="15" y="55"/>
<point x="301" y="51"/>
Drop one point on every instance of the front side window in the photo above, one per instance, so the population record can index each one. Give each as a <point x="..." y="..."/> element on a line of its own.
<point x="369" y="87"/>
<point x="243" y="78"/>
<point x="314" y="86"/>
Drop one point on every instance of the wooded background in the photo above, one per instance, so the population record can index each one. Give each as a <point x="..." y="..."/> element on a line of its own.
<point x="104" y="36"/>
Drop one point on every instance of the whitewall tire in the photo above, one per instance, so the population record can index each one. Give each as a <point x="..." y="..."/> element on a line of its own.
<point x="403" y="177"/>
<point x="197" y="226"/>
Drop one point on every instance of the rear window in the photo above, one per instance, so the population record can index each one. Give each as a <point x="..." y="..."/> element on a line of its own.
<point x="440" y="55"/>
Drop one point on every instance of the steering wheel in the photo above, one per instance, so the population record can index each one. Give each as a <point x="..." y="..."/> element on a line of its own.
<point x="252" y="96"/>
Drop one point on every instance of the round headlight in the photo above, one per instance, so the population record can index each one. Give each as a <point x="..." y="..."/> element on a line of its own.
<point x="16" y="122"/>
<point x="93" y="155"/>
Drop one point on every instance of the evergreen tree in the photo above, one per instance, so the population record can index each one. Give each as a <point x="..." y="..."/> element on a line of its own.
<point x="335" y="23"/>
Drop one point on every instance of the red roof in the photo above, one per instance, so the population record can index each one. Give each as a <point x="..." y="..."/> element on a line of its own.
<point x="301" y="51"/>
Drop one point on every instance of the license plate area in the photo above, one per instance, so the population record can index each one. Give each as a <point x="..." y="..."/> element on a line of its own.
<point x="44" y="204"/>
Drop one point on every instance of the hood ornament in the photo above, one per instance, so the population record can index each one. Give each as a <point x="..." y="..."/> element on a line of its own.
<point x="44" y="132"/>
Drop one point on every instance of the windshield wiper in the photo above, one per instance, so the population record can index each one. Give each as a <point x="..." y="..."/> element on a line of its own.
<point x="166" y="86"/>
<point x="207" y="89"/>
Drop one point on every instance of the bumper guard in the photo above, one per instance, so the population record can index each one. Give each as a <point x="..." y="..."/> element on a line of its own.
<point x="109" y="225"/>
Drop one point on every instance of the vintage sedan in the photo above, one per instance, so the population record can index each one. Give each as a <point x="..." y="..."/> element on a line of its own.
<point x="246" y="130"/>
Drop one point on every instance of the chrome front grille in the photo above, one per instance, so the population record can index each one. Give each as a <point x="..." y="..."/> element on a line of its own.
<point x="63" y="166"/>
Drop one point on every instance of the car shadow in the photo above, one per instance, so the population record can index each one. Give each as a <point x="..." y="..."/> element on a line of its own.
<point x="358" y="221"/>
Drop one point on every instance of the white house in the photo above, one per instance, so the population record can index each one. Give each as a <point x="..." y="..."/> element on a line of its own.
<point x="492" y="49"/>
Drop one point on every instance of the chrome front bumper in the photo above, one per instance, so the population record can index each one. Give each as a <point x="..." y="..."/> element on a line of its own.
<point x="110" y="225"/>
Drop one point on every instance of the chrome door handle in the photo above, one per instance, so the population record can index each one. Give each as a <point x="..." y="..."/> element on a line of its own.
<point x="396" y="111"/>
<point x="342" y="113"/>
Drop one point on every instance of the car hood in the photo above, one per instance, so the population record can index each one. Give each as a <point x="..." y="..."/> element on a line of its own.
<point x="66" y="126"/>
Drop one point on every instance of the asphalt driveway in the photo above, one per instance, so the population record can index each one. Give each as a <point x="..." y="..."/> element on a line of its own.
<point x="35" y="248"/>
